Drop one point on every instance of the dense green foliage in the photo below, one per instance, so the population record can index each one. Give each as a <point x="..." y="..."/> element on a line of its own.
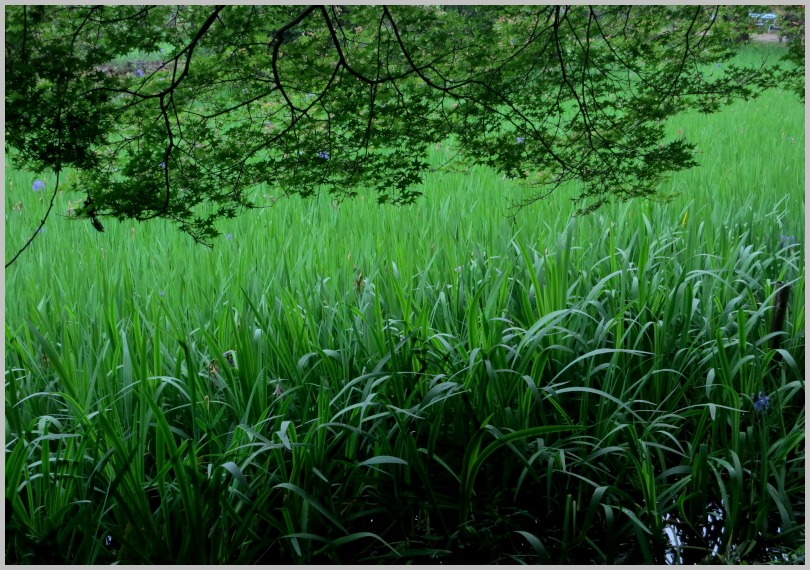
<point x="447" y="381"/>
<point x="338" y="99"/>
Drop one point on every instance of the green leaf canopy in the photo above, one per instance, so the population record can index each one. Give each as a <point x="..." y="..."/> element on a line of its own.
<point x="339" y="98"/>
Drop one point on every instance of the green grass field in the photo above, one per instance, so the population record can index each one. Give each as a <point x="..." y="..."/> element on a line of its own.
<point x="450" y="381"/>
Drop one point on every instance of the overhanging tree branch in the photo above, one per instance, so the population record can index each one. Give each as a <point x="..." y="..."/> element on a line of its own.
<point x="355" y="98"/>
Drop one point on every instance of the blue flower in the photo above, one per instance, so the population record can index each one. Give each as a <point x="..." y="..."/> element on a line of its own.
<point x="786" y="241"/>
<point x="324" y="155"/>
<point x="229" y="237"/>
<point x="139" y="72"/>
<point x="39" y="186"/>
<point x="762" y="403"/>
<point x="521" y="140"/>
<point x="162" y="293"/>
<point x="43" y="229"/>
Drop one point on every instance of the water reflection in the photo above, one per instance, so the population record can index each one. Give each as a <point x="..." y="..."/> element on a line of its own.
<point x="686" y="546"/>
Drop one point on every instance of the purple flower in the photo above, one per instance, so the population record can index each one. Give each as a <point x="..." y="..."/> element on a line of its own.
<point x="786" y="241"/>
<point x="229" y="237"/>
<point x="324" y="155"/>
<point x="39" y="186"/>
<point x="139" y="72"/>
<point x="521" y="140"/>
<point x="762" y="403"/>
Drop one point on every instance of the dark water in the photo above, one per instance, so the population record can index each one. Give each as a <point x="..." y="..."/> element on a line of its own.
<point x="686" y="546"/>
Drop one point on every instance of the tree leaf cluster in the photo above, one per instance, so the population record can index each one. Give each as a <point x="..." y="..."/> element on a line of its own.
<point x="343" y="99"/>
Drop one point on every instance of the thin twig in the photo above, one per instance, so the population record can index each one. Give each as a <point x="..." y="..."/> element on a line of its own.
<point x="41" y="224"/>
